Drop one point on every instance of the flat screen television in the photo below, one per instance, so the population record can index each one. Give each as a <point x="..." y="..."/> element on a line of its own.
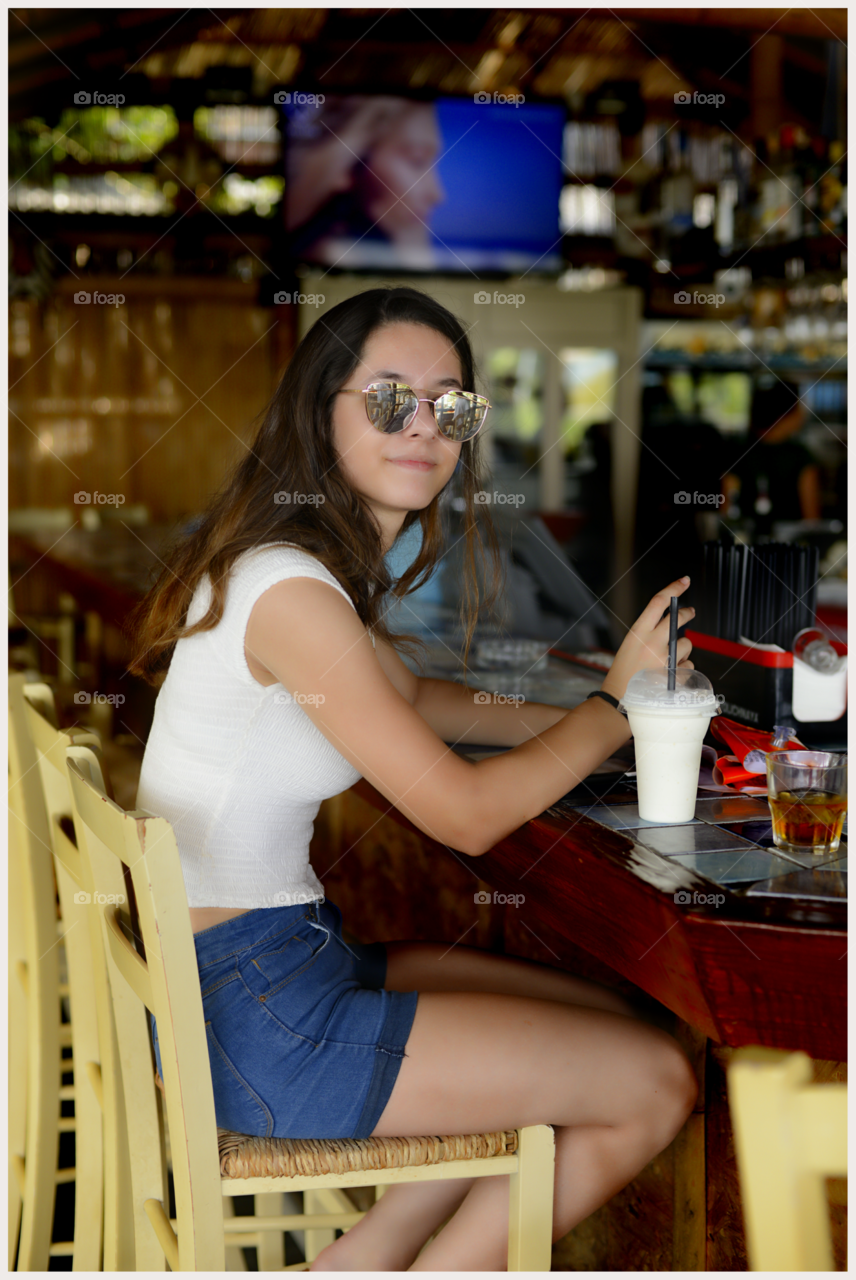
<point x="409" y="184"/>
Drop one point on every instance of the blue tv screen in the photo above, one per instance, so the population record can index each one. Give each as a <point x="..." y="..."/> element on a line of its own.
<point x="453" y="184"/>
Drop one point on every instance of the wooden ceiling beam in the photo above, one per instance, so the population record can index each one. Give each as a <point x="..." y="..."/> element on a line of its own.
<point x="826" y="24"/>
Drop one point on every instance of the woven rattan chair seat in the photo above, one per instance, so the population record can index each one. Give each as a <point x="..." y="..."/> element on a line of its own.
<point x="246" y="1157"/>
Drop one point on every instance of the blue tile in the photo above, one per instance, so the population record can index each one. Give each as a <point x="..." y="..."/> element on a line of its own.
<point x="623" y="817"/>
<point x="839" y="864"/>
<point x="734" y="808"/>
<point x="756" y="832"/>
<point x="808" y="859"/>
<point x="735" y="866"/>
<point x="697" y="837"/>
<point x="822" y="882"/>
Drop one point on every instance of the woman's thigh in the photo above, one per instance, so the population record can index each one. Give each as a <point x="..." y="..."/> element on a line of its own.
<point x="433" y="966"/>
<point x="478" y="1061"/>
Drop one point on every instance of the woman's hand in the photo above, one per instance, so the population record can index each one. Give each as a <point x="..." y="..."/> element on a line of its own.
<point x="646" y="645"/>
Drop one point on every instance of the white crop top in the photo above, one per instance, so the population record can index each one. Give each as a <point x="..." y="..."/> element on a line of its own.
<point x="239" y="769"/>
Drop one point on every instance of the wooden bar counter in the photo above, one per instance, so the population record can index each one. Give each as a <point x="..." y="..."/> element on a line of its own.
<point x="597" y="903"/>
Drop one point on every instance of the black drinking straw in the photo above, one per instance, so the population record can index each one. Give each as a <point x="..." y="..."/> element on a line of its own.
<point x="673" y="640"/>
<point x="742" y="602"/>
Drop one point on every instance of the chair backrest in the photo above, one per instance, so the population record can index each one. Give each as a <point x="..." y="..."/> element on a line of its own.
<point x="93" y="1032"/>
<point x="789" y="1136"/>
<point x="33" y="955"/>
<point x="167" y="984"/>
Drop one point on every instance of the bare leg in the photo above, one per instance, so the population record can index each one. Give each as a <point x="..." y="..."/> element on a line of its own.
<point x="390" y="1237"/>
<point x="391" y="1234"/>
<point x="434" y="966"/>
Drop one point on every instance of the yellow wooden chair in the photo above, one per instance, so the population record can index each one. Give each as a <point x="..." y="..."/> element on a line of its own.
<point x="36" y="1031"/>
<point x="102" y="1160"/>
<point x="789" y="1135"/>
<point x="101" y="1156"/>
<point x="208" y="1163"/>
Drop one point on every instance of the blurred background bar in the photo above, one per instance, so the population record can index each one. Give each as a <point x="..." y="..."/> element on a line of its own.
<point x="640" y="217"/>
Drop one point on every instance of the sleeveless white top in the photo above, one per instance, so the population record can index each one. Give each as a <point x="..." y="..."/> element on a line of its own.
<point x="239" y="769"/>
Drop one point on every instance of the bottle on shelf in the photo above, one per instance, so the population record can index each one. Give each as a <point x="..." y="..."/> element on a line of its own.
<point x="833" y="192"/>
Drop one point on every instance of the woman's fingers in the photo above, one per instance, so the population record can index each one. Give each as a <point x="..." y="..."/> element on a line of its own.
<point x="661" y="601"/>
<point x="684" y="615"/>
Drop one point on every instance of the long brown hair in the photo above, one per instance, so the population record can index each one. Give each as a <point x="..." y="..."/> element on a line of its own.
<point x="294" y="452"/>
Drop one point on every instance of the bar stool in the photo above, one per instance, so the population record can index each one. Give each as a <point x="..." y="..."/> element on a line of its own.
<point x="101" y="1157"/>
<point x="208" y="1163"/>
<point x="29" y="632"/>
<point x="36" y="1031"/>
<point x="789" y="1136"/>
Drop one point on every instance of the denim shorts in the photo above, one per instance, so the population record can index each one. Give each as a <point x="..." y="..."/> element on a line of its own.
<point x="303" y="1040"/>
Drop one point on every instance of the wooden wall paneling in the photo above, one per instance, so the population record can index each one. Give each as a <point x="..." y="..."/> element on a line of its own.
<point x="154" y="399"/>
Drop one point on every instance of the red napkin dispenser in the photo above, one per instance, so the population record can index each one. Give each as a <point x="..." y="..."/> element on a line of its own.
<point x="756" y="685"/>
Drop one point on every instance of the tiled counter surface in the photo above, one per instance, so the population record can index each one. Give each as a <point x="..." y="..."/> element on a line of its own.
<point x="729" y="842"/>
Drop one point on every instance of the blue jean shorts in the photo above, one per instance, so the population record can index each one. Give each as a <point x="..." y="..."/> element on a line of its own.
<point x="303" y="1040"/>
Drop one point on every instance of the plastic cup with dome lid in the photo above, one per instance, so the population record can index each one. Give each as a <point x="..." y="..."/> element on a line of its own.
<point x="668" y="727"/>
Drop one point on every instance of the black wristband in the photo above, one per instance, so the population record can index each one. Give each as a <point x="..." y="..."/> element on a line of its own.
<point x="607" y="697"/>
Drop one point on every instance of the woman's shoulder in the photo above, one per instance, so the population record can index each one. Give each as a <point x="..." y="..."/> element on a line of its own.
<point x="272" y="553"/>
<point x="271" y="562"/>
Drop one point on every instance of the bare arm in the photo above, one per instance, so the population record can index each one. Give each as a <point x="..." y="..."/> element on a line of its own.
<point x="461" y="715"/>
<point x="458" y="714"/>
<point x="312" y="641"/>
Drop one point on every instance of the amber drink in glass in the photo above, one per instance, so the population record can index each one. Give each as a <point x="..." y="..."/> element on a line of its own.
<point x="807" y="791"/>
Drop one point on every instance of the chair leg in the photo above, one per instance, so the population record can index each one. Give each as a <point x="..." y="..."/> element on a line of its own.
<point x="270" y="1250"/>
<point x="530" y="1221"/>
<point x="327" y="1200"/>
<point x="235" y="1260"/>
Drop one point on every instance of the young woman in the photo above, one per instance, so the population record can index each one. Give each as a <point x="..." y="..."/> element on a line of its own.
<point x="284" y="687"/>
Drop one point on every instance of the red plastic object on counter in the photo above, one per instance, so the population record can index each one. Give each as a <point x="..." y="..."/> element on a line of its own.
<point x="741" y="739"/>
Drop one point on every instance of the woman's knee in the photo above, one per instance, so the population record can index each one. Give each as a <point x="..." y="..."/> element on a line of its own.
<point x="674" y="1083"/>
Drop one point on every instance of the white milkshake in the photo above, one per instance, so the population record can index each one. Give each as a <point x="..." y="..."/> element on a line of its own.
<point x="668" y="727"/>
